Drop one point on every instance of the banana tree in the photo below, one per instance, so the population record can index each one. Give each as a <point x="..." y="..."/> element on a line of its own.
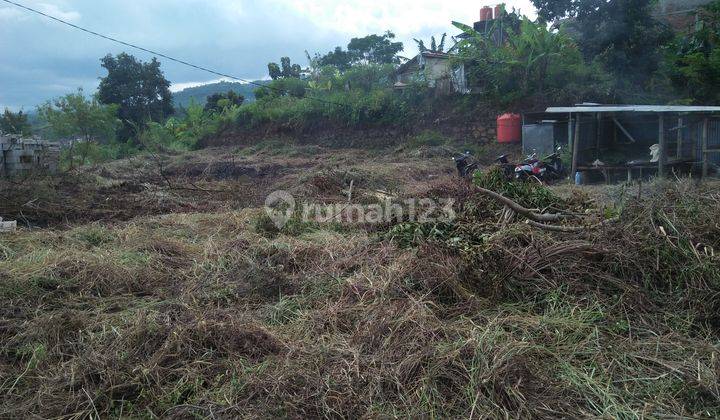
<point x="532" y="57"/>
<point x="434" y="45"/>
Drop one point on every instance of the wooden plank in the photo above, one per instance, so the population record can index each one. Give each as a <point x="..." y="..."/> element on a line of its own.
<point x="706" y="128"/>
<point x="663" y="146"/>
<point x="576" y="147"/>
<point x="627" y="133"/>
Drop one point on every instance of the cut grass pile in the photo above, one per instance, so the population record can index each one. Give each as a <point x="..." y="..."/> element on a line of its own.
<point x="207" y="315"/>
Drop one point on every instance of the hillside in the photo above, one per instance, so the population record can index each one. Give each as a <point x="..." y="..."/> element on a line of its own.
<point x="200" y="93"/>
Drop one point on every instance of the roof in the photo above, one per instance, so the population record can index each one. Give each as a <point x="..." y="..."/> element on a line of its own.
<point x="426" y="54"/>
<point x="632" y="108"/>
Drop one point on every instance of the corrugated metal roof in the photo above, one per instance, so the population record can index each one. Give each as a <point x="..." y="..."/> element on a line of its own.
<point x="632" y="108"/>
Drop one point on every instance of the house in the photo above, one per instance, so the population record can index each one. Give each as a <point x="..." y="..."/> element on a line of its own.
<point x="681" y="15"/>
<point x="20" y="155"/>
<point x="618" y="142"/>
<point x="436" y="69"/>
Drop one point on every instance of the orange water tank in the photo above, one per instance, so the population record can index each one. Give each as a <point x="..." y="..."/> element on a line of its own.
<point x="486" y="13"/>
<point x="509" y="128"/>
<point x="499" y="9"/>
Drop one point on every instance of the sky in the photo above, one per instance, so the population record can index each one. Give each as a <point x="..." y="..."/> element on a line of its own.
<point x="41" y="59"/>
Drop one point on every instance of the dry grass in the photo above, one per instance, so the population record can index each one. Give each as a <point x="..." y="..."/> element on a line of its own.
<point x="203" y="315"/>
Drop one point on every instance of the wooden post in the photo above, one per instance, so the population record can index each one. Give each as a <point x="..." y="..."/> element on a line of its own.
<point x="597" y="135"/>
<point x="663" y="146"/>
<point x="576" y="148"/>
<point x="570" y="132"/>
<point x="706" y="128"/>
<point x="678" y="155"/>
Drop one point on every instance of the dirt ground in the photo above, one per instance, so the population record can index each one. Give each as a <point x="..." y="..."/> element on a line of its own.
<point x="157" y="287"/>
<point x="219" y="179"/>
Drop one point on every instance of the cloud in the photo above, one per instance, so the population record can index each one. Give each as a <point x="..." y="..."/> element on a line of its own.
<point x="55" y="10"/>
<point x="13" y="13"/>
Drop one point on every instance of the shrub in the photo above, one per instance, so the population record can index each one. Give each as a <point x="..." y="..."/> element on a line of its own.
<point x="428" y="138"/>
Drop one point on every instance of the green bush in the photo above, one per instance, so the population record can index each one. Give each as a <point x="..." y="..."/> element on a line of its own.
<point x="428" y="138"/>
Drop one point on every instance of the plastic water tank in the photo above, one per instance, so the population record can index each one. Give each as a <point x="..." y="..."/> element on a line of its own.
<point x="509" y="128"/>
<point x="499" y="10"/>
<point x="486" y="13"/>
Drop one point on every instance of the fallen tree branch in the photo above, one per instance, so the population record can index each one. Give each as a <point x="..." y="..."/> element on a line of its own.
<point x="571" y="229"/>
<point x="536" y="217"/>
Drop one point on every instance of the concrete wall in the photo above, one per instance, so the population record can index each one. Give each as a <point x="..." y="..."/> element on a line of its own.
<point x="20" y="156"/>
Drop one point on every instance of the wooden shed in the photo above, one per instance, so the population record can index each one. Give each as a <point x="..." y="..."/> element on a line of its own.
<point x="612" y="139"/>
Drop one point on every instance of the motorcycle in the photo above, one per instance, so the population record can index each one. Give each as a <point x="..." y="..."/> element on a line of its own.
<point x="506" y="167"/>
<point x="529" y="168"/>
<point x="465" y="165"/>
<point x="554" y="168"/>
<point x="550" y="168"/>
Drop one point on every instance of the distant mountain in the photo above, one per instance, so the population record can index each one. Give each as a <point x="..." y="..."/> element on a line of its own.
<point x="200" y="93"/>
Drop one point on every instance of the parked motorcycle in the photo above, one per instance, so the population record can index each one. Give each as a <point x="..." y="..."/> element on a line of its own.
<point x="550" y="168"/>
<point x="508" y="169"/>
<point x="554" y="168"/>
<point x="529" y="168"/>
<point x="465" y="164"/>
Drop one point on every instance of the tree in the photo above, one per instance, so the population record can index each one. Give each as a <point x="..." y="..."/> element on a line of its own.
<point x="285" y="70"/>
<point x="533" y="63"/>
<point x="15" y="123"/>
<point x="274" y="71"/>
<point x="140" y="90"/>
<point x="622" y="34"/>
<point x="217" y="102"/>
<point x="694" y="62"/>
<point x="340" y="59"/>
<point x="375" y="49"/>
<point x="74" y="116"/>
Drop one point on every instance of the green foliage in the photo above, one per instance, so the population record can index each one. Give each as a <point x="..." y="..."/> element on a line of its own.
<point x="409" y="234"/>
<point x="140" y="90"/>
<point x="93" y="153"/>
<point x="352" y="109"/>
<point x="370" y="49"/>
<point x="375" y="49"/>
<point x="285" y="70"/>
<point x="295" y="226"/>
<point x="434" y="45"/>
<point x="181" y="134"/>
<point x="282" y="87"/>
<point x="623" y="35"/>
<point x="694" y="60"/>
<point x="200" y="94"/>
<point x="361" y="96"/>
<point x="220" y="101"/>
<point x="428" y="138"/>
<point x="338" y="58"/>
<point x="534" y="61"/>
<point x="89" y="125"/>
<point x="528" y="194"/>
<point x="15" y="123"/>
<point x="76" y="116"/>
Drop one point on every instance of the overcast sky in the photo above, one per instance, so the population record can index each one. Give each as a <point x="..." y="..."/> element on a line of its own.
<point x="41" y="59"/>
